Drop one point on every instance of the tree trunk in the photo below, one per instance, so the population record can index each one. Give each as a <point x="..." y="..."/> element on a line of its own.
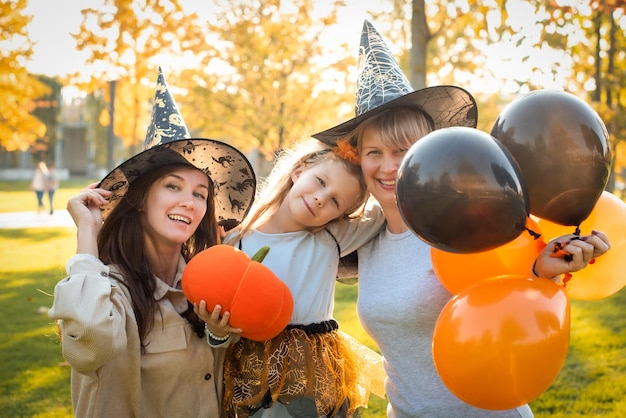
<point x="420" y="36"/>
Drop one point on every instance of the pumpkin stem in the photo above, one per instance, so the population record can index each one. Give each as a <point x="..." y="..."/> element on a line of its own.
<point x="259" y="256"/>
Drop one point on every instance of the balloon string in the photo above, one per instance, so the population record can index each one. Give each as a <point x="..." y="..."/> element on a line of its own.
<point x="558" y="250"/>
<point x="566" y="278"/>
<point x="534" y="234"/>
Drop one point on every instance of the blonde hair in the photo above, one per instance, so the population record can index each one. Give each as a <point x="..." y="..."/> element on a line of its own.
<point x="276" y="186"/>
<point x="399" y="127"/>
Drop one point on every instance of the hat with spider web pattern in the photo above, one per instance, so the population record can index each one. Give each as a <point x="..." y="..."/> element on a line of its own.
<point x="381" y="85"/>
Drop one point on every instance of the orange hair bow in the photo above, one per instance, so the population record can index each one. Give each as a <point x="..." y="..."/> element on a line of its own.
<point x="345" y="150"/>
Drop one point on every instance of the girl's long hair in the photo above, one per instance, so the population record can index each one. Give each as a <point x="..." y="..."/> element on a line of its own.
<point x="274" y="189"/>
<point x="122" y="242"/>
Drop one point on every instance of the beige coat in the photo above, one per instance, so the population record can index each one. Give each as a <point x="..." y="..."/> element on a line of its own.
<point x="179" y="375"/>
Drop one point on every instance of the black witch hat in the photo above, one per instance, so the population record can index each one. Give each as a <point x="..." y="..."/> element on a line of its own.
<point x="382" y="84"/>
<point x="168" y="142"/>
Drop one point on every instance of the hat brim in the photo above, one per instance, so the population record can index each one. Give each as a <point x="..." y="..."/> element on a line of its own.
<point x="230" y="171"/>
<point x="447" y="106"/>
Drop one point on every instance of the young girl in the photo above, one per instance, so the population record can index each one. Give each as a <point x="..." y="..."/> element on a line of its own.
<point x="310" y="214"/>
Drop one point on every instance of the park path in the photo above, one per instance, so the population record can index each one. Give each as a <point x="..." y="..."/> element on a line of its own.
<point x="13" y="220"/>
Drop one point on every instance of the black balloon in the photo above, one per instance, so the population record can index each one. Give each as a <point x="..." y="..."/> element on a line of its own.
<point x="562" y="148"/>
<point x="460" y="190"/>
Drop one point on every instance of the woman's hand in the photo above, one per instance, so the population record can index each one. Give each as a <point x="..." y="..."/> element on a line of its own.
<point x="85" y="211"/>
<point x="85" y="206"/>
<point x="569" y="253"/>
<point x="216" y="321"/>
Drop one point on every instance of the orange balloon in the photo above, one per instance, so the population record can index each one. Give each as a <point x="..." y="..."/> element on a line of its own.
<point x="501" y="344"/>
<point x="518" y="256"/>
<point x="458" y="271"/>
<point x="606" y="276"/>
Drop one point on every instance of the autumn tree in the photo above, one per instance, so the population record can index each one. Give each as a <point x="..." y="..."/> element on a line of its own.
<point x="443" y="42"/>
<point x="271" y="75"/>
<point x="19" y="128"/>
<point x="47" y="109"/>
<point x="594" y="34"/>
<point x="578" y="44"/>
<point x="257" y="75"/>
<point x="127" y="41"/>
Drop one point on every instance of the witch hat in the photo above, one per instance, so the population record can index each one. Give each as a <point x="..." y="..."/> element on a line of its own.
<point x="381" y="84"/>
<point x="168" y="142"/>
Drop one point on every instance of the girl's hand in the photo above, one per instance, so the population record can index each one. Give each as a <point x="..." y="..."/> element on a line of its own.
<point x="216" y="321"/>
<point x="570" y="253"/>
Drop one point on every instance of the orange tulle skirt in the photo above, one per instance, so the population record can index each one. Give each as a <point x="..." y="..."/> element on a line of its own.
<point x="328" y="366"/>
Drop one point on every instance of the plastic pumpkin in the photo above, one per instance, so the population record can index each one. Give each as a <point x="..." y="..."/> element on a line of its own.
<point x="258" y="301"/>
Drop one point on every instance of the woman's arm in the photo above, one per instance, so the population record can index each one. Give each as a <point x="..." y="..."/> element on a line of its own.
<point x="91" y="311"/>
<point x="352" y="234"/>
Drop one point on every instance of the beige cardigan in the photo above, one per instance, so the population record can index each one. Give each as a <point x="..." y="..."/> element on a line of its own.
<point x="179" y="375"/>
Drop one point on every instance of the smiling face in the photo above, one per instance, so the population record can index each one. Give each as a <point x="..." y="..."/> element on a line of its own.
<point x="175" y="205"/>
<point x="380" y="164"/>
<point x="383" y="141"/>
<point x="321" y="193"/>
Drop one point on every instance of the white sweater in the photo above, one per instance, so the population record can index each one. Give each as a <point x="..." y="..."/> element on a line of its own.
<point x="307" y="262"/>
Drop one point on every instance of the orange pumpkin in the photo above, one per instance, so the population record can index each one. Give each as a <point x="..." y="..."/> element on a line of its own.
<point x="258" y="301"/>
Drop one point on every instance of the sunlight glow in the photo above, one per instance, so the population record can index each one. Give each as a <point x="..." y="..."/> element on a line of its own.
<point x="506" y="62"/>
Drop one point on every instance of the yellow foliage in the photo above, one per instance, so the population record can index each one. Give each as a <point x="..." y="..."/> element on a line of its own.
<point x="269" y="77"/>
<point x="18" y="127"/>
<point x="259" y="74"/>
<point x="126" y="41"/>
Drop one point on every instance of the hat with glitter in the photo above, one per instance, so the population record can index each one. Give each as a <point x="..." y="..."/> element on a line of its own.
<point x="381" y="84"/>
<point x="168" y="142"/>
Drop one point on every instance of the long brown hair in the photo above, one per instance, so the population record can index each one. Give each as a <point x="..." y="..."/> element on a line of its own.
<point x="121" y="241"/>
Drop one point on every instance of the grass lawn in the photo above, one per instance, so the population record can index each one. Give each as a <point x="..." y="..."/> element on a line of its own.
<point x="34" y="381"/>
<point x="15" y="195"/>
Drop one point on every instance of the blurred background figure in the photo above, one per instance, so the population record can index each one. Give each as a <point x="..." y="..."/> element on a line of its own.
<point x="52" y="184"/>
<point x="38" y="184"/>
